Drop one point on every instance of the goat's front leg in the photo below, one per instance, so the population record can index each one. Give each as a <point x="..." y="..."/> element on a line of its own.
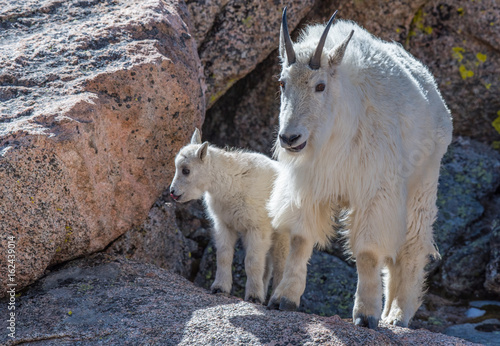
<point x="225" y="240"/>
<point x="368" y="299"/>
<point x="279" y="253"/>
<point x="287" y="294"/>
<point x="257" y="244"/>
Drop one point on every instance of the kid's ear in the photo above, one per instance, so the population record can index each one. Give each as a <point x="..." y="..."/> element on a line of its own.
<point x="336" y="55"/>
<point x="202" y="151"/>
<point x="196" y="138"/>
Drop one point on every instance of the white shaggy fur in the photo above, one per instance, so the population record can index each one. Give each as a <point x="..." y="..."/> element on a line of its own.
<point x="372" y="142"/>
<point x="236" y="186"/>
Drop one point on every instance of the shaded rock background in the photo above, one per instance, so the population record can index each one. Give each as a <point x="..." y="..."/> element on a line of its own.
<point x="103" y="300"/>
<point x="153" y="243"/>
<point x="467" y="220"/>
<point x="98" y="96"/>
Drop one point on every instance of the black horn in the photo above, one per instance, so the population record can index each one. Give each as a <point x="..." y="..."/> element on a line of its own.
<point x="290" y="53"/>
<point x="316" y="59"/>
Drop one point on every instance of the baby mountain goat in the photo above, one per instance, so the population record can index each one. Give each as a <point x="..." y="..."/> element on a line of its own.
<point x="236" y="186"/>
<point x="362" y="126"/>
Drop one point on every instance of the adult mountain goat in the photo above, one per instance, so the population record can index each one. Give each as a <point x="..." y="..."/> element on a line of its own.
<point x="236" y="186"/>
<point x="362" y="126"/>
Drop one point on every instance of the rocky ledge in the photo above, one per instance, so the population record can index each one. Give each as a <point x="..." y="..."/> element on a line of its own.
<point x="110" y="300"/>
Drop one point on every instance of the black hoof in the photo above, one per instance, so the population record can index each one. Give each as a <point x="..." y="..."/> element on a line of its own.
<point x="399" y="323"/>
<point x="287" y="305"/>
<point x="217" y="290"/>
<point x="254" y="300"/>
<point x="366" y="321"/>
<point x="273" y="304"/>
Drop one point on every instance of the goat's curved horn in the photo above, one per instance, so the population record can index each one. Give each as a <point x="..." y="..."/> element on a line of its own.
<point x="290" y="53"/>
<point x="315" y="62"/>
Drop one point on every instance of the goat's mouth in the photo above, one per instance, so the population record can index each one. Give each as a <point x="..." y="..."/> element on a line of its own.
<point x="176" y="197"/>
<point x="297" y="148"/>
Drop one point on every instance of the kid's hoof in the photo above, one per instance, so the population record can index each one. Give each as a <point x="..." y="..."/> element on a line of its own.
<point x="287" y="305"/>
<point x="254" y="300"/>
<point x="366" y="321"/>
<point x="273" y="304"/>
<point x="217" y="290"/>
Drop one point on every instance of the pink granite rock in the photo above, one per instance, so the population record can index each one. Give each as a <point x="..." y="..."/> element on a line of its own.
<point x="97" y="98"/>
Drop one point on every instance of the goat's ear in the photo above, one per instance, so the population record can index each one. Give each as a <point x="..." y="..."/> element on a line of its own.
<point x="202" y="151"/>
<point x="336" y="55"/>
<point x="196" y="137"/>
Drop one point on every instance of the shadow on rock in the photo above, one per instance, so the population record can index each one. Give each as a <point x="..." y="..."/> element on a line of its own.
<point x="295" y="328"/>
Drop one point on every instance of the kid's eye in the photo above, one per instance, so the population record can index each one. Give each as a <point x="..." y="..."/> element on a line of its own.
<point x="185" y="171"/>
<point x="320" y="87"/>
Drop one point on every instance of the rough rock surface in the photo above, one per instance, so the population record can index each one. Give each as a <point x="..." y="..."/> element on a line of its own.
<point x="470" y="268"/>
<point x="470" y="171"/>
<point x="467" y="219"/>
<point x="464" y="268"/>
<point x="97" y="97"/>
<point x="103" y="301"/>
<point x="459" y="42"/>
<point x="492" y="283"/>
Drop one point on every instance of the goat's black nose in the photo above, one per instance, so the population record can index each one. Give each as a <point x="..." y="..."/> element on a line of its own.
<point x="289" y="140"/>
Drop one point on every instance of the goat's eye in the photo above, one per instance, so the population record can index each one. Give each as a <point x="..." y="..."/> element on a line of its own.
<point x="320" y="87"/>
<point x="185" y="171"/>
<point x="282" y="85"/>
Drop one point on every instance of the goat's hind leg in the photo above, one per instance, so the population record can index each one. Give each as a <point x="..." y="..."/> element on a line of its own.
<point x="225" y="240"/>
<point x="404" y="286"/>
<point x="405" y="277"/>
